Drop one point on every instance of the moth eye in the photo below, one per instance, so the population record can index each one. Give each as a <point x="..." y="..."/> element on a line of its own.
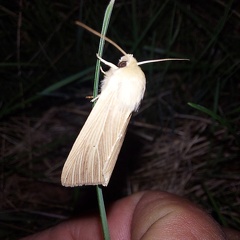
<point x="122" y="64"/>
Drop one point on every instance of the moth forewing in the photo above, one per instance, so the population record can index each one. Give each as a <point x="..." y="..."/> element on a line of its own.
<point x="116" y="147"/>
<point x="92" y="148"/>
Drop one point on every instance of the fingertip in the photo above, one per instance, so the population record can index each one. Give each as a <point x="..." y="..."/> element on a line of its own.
<point x="120" y="216"/>
<point x="171" y="217"/>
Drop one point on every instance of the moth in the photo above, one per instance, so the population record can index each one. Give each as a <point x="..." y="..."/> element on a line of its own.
<point x="94" y="154"/>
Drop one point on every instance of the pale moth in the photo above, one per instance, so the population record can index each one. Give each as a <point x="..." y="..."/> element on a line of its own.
<point x="94" y="154"/>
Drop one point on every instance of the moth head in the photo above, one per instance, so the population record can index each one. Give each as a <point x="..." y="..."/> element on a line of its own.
<point x="127" y="60"/>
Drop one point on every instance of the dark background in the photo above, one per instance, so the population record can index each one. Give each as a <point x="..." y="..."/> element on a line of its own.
<point x="47" y="70"/>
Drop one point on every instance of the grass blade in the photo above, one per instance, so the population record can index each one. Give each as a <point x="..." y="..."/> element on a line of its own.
<point x="106" y="20"/>
<point x="66" y="81"/>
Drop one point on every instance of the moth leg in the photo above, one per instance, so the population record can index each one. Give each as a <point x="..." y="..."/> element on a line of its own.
<point x="102" y="70"/>
<point x="95" y="99"/>
<point x="111" y="65"/>
<point x="89" y="97"/>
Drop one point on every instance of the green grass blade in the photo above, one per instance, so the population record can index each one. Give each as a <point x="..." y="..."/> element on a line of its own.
<point x="215" y="116"/>
<point x="216" y="98"/>
<point x="103" y="215"/>
<point x="208" y="112"/>
<point x="219" y="29"/>
<point x="46" y="91"/>
<point x="215" y="205"/>
<point x="152" y="20"/>
<point x="66" y="81"/>
<point x="106" y="20"/>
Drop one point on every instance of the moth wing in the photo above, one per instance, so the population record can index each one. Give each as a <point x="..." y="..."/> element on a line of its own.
<point x="95" y="151"/>
<point x="117" y="128"/>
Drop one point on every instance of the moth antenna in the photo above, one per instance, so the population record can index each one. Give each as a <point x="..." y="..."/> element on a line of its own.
<point x="162" y="60"/>
<point x="100" y="35"/>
